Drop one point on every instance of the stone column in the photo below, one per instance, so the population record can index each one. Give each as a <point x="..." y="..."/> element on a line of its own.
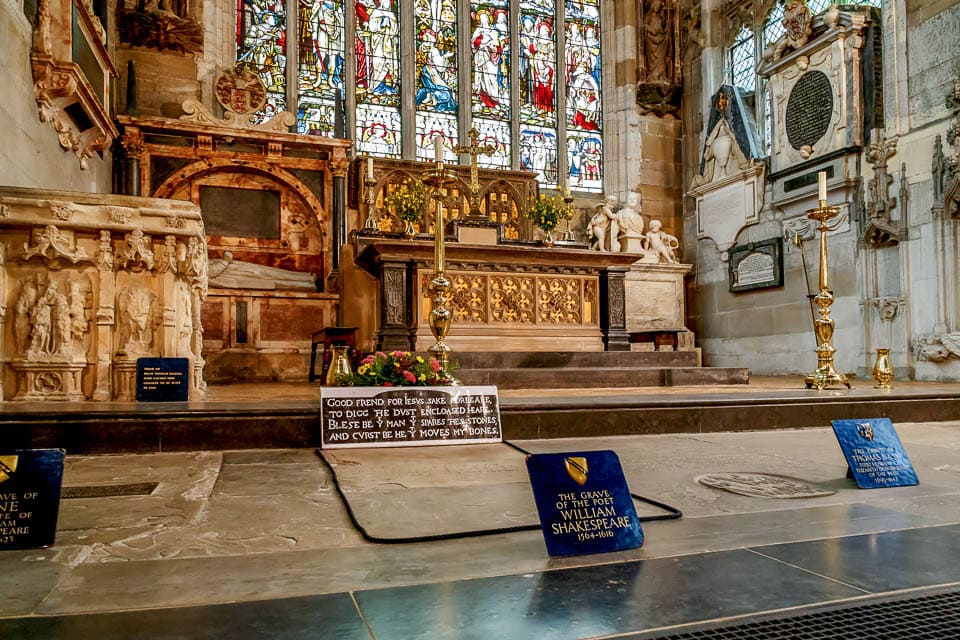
<point x="396" y="306"/>
<point x="338" y="167"/>
<point x="132" y="143"/>
<point x="613" y="309"/>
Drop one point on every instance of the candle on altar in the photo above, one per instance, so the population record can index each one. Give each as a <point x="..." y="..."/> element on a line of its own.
<point x="369" y="169"/>
<point x="438" y="149"/>
<point x="822" y="177"/>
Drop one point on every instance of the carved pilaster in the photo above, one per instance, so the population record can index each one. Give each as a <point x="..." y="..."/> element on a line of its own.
<point x="396" y="311"/>
<point x="133" y="148"/>
<point x="105" y="318"/>
<point x="613" y="307"/>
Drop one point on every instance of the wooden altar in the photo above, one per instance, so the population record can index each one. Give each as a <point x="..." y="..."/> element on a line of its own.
<point x="509" y="296"/>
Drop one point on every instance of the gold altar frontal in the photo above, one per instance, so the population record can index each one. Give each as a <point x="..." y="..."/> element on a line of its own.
<point x="505" y="297"/>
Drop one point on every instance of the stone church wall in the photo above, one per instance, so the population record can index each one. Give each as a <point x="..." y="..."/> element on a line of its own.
<point x="887" y="295"/>
<point x="30" y="155"/>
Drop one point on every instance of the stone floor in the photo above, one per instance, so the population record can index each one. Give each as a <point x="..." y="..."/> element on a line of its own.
<point x="231" y="543"/>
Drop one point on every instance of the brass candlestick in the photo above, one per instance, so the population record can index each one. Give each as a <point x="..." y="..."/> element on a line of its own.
<point x="370" y="198"/>
<point x="568" y="234"/>
<point x="825" y="375"/>
<point x="475" y="149"/>
<point x="440" y="315"/>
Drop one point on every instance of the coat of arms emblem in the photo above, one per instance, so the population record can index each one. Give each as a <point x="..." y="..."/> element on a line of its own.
<point x="8" y="466"/>
<point x="865" y="431"/>
<point x="577" y="468"/>
<point x="240" y="90"/>
<point x="796" y="22"/>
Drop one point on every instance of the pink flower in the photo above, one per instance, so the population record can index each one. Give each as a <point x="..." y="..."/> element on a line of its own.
<point x="387" y="384"/>
<point x="381" y="354"/>
<point x="367" y="360"/>
<point x="409" y="377"/>
<point x="434" y="365"/>
<point x="397" y="354"/>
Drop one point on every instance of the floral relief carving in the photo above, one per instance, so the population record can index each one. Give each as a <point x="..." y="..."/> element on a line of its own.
<point x="393" y="295"/>
<point x="512" y="299"/>
<point x="52" y="244"/>
<point x="559" y="301"/>
<point x="137" y="251"/>
<point x="469" y="294"/>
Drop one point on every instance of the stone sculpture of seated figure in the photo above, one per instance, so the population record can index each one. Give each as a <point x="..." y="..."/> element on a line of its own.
<point x="631" y="224"/>
<point x="661" y="243"/>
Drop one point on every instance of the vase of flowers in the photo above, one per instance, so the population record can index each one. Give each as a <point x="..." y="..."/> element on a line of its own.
<point x="547" y="212"/>
<point x="396" y="369"/>
<point x="407" y="203"/>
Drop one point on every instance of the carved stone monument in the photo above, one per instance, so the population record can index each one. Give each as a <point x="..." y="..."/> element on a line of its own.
<point x="729" y="187"/>
<point x="95" y="282"/>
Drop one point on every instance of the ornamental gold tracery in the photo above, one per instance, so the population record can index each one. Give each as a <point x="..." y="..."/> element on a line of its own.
<point x="559" y="300"/>
<point x="520" y="298"/>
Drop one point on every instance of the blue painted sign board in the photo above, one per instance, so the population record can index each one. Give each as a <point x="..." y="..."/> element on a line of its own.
<point x="874" y="453"/>
<point x="163" y="379"/>
<point x="583" y="503"/>
<point x="30" y="481"/>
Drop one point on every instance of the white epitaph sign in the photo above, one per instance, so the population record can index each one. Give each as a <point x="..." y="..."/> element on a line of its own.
<point x="352" y="417"/>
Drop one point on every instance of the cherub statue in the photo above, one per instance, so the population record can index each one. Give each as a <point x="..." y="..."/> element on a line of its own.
<point x="661" y="243"/>
<point x="604" y="222"/>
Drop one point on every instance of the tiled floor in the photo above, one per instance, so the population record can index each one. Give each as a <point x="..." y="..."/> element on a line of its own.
<point x="257" y="544"/>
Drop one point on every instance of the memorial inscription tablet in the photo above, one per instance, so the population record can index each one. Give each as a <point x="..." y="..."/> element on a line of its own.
<point x="408" y="416"/>
<point x="30" y="483"/>
<point x="809" y="109"/>
<point x="583" y="503"/>
<point x="163" y="379"/>
<point x="757" y="265"/>
<point x="874" y="453"/>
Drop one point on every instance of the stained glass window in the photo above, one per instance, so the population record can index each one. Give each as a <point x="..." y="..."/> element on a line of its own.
<point x="584" y="107"/>
<point x="437" y="77"/>
<point x="460" y="49"/>
<point x="320" y="71"/>
<point x="743" y="65"/>
<point x="490" y="87"/>
<point x="261" y="45"/>
<point x="377" y="55"/>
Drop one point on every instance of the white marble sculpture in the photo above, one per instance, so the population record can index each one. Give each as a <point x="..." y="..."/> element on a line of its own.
<point x="660" y="243"/>
<point x="237" y="274"/>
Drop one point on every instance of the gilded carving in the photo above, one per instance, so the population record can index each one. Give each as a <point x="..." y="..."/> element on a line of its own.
<point x="512" y="299"/>
<point x="559" y="300"/>
<point x="469" y="298"/>
<point x="52" y="244"/>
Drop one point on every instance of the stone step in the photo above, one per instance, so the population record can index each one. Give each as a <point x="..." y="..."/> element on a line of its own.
<point x="562" y="359"/>
<point x="594" y="377"/>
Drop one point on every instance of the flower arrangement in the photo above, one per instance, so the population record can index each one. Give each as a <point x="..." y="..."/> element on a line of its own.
<point x="396" y="369"/>
<point x="408" y="200"/>
<point x="547" y="212"/>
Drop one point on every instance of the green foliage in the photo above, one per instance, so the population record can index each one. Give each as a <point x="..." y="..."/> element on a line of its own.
<point x="408" y="201"/>
<point x="547" y="211"/>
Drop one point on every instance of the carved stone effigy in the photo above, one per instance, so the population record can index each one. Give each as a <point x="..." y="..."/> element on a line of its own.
<point x="95" y="282"/>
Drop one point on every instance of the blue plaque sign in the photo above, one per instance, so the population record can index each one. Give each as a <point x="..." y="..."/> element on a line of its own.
<point x="163" y="379"/>
<point x="29" y="497"/>
<point x="583" y="503"/>
<point x="874" y="453"/>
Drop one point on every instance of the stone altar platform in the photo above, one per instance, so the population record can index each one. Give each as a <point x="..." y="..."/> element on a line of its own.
<point x="287" y="415"/>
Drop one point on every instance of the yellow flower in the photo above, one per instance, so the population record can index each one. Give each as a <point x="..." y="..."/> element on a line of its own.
<point x="423" y="376"/>
<point x="363" y="369"/>
<point x="420" y="359"/>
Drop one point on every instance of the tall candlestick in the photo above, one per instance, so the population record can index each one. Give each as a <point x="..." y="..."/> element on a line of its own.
<point x="822" y="177"/>
<point x="369" y="169"/>
<point x="438" y="150"/>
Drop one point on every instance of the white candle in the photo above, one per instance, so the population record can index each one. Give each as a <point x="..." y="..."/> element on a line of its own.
<point x="822" y="176"/>
<point x="438" y="149"/>
<point x="369" y="168"/>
